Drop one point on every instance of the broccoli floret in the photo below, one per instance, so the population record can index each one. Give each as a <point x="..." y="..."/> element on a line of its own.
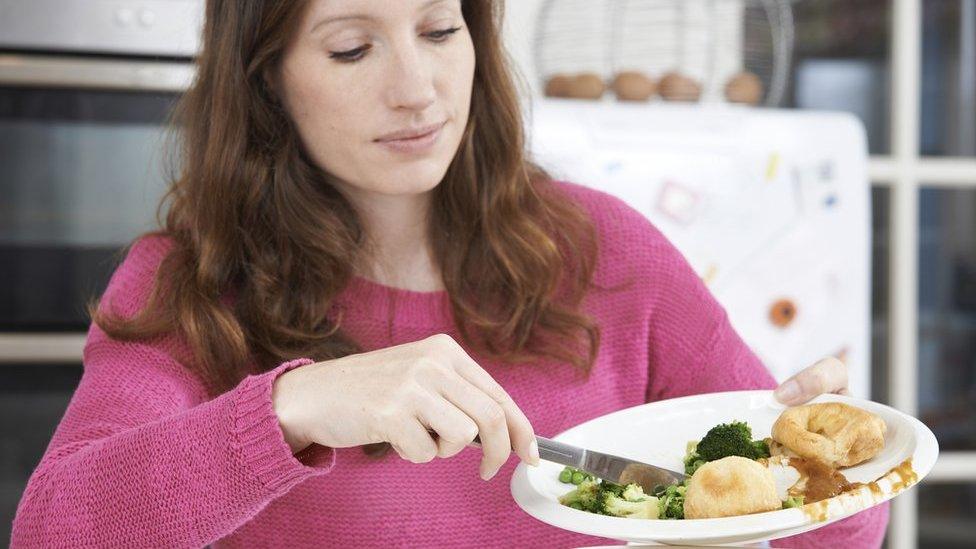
<point x="634" y="492"/>
<point x="793" y="502"/>
<point x="671" y="503"/>
<point x="730" y="439"/>
<point x="587" y="495"/>
<point x="762" y="449"/>
<point x="612" y="488"/>
<point x="692" y="462"/>
<point x="616" y="506"/>
<point x="743" y="428"/>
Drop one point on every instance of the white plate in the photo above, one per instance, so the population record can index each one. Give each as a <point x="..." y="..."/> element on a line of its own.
<point x="658" y="432"/>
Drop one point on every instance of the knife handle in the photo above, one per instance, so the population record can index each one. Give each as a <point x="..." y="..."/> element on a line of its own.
<point x="549" y="450"/>
<point x="558" y="452"/>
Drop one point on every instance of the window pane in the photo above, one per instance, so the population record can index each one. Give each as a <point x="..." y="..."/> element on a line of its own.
<point x="946" y="516"/>
<point x="947" y="315"/>
<point x="880" y="222"/>
<point x="841" y="61"/>
<point x="948" y="78"/>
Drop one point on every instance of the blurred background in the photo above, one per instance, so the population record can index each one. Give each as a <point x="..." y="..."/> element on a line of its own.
<point x="85" y="89"/>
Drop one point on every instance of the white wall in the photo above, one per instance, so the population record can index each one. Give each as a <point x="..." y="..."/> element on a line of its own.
<point x="519" y="26"/>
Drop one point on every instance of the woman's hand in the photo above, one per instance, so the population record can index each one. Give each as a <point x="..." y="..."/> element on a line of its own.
<point x="829" y="375"/>
<point x="394" y="395"/>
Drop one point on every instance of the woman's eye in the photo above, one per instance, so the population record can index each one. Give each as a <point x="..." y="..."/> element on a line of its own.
<point x="349" y="56"/>
<point x="441" y="35"/>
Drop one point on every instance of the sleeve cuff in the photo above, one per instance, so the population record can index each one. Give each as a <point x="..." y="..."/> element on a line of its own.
<point x="260" y="442"/>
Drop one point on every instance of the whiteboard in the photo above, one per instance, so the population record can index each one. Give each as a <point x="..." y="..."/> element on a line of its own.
<point x="770" y="207"/>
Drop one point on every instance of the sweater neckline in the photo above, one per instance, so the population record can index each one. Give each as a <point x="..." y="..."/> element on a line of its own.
<point x="366" y="297"/>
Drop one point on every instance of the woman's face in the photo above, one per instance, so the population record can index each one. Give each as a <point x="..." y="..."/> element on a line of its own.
<point x="380" y="90"/>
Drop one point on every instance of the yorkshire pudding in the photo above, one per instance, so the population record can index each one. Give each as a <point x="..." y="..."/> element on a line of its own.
<point x="837" y="434"/>
<point x="729" y="487"/>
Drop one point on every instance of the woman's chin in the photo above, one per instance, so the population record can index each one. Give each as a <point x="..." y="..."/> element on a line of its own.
<point x="404" y="180"/>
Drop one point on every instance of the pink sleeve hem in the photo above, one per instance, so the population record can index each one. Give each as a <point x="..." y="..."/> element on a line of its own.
<point x="260" y="442"/>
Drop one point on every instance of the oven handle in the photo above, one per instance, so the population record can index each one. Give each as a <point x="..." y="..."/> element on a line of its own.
<point x="93" y="73"/>
<point x="20" y="348"/>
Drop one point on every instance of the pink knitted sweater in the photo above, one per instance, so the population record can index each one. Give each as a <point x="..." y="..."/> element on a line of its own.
<point x="144" y="458"/>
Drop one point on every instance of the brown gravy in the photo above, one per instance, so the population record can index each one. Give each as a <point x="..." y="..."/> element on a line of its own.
<point x="822" y="481"/>
<point x="901" y="476"/>
<point x="906" y="476"/>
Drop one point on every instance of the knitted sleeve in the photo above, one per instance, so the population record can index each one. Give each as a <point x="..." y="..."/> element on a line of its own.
<point x="143" y="458"/>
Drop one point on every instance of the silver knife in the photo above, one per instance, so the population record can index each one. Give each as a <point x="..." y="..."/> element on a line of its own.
<point x="608" y="466"/>
<point x="605" y="466"/>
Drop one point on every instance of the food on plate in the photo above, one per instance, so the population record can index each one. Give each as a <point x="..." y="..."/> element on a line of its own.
<point x="727" y="439"/>
<point x="732" y="474"/>
<point x="806" y="480"/>
<point x="729" y="487"/>
<point x="632" y="502"/>
<point x="671" y="500"/>
<point x="628" y="501"/>
<point x="834" y="433"/>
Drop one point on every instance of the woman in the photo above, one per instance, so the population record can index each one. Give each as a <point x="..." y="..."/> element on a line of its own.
<point x="357" y="254"/>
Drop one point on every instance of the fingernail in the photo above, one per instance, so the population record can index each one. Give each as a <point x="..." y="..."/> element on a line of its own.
<point x="486" y="473"/>
<point x="788" y="392"/>
<point x="534" y="453"/>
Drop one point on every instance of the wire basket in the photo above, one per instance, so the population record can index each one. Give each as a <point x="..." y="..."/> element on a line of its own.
<point x="677" y="50"/>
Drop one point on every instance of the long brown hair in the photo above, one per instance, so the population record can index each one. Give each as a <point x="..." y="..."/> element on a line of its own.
<point x="516" y="257"/>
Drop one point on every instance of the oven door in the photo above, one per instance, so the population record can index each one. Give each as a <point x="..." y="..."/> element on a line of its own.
<point x="82" y="163"/>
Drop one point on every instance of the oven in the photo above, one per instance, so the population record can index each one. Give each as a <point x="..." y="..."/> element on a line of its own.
<point x="86" y="89"/>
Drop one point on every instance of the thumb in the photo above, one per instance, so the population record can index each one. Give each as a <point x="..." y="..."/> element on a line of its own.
<point x="828" y="375"/>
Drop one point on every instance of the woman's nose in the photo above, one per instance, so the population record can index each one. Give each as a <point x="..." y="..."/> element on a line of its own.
<point x="410" y="83"/>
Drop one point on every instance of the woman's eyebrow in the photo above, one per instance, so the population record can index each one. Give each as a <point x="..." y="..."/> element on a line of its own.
<point x="330" y="20"/>
<point x="363" y="17"/>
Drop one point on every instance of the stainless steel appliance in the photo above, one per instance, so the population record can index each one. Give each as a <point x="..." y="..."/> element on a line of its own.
<point x="85" y="90"/>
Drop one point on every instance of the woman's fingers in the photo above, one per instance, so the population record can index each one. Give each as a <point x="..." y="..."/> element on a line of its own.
<point x="826" y="376"/>
<point x="454" y="429"/>
<point x="413" y="442"/>
<point x="519" y="429"/>
<point x="490" y="418"/>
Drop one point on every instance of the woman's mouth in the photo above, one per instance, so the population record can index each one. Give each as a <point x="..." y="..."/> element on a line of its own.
<point x="412" y="140"/>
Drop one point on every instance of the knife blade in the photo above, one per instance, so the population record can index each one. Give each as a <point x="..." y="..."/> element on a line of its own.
<point x="616" y="469"/>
